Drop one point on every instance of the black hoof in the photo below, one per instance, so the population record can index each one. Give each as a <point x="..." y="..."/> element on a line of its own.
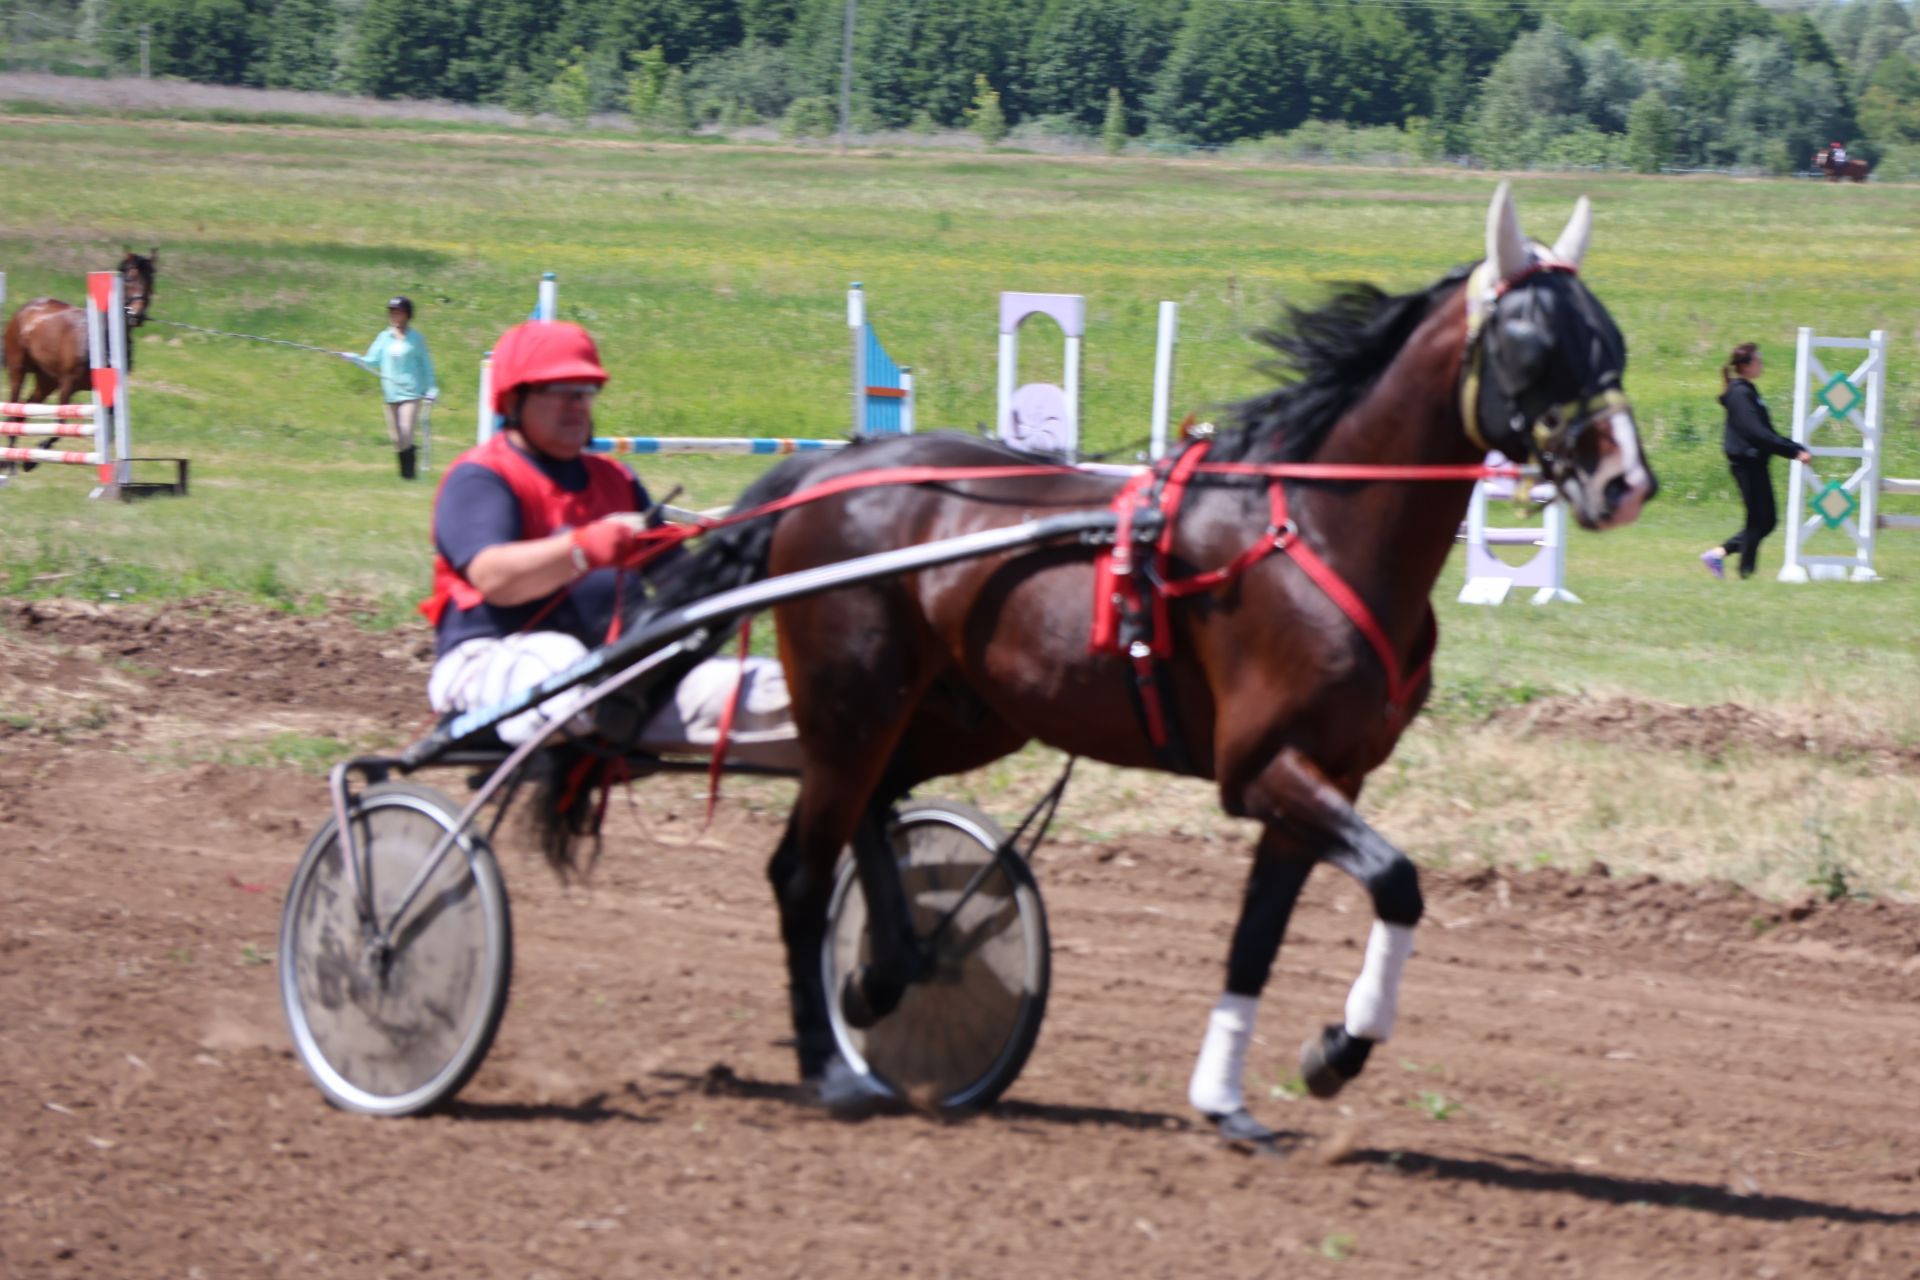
<point x="848" y="1095"/>
<point x="1331" y="1059"/>
<point x="866" y="998"/>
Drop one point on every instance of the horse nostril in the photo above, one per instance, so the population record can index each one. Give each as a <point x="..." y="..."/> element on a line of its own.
<point x="1616" y="492"/>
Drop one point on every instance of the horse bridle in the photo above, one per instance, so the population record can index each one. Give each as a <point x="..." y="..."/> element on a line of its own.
<point x="130" y="276"/>
<point x="1555" y="433"/>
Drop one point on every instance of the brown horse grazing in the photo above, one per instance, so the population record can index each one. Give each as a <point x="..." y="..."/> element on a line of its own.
<point x="1278" y="695"/>
<point x="47" y="338"/>
<point x="1852" y="169"/>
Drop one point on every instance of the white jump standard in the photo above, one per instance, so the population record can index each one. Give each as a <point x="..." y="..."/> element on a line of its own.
<point x="1489" y="578"/>
<point x="1850" y="507"/>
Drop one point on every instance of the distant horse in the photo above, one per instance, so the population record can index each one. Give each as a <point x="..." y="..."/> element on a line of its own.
<point x="1282" y="695"/>
<point x="1852" y="169"/>
<point x="47" y="338"/>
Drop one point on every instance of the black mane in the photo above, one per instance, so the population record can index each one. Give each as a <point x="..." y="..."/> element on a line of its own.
<point x="1329" y="357"/>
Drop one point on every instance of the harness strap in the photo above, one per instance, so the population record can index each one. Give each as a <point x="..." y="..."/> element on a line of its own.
<point x="1400" y="685"/>
<point x="725" y="728"/>
<point x="1283" y="535"/>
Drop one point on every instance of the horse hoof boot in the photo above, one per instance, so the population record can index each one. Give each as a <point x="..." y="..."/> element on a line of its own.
<point x="866" y="998"/>
<point x="1239" y="1128"/>
<point x="1331" y="1059"/>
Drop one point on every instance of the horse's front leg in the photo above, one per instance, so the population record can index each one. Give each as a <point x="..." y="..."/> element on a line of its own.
<point x="1292" y="784"/>
<point x="1308" y="818"/>
<point x="1281" y="862"/>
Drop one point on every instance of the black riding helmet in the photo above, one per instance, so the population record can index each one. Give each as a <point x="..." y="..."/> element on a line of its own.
<point x="399" y="303"/>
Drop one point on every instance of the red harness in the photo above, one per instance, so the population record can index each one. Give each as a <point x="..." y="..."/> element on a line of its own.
<point x="1123" y="592"/>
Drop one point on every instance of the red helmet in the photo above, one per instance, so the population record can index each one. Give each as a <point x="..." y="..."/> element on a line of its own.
<point x="538" y="351"/>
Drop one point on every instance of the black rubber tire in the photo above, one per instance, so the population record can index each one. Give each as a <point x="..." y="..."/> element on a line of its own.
<point x="401" y="1038"/>
<point x="959" y="1039"/>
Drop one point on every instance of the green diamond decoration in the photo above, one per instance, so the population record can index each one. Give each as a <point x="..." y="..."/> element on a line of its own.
<point x="1826" y="396"/>
<point x="1833" y="504"/>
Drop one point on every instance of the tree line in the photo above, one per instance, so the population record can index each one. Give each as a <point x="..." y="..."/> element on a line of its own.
<point x="1688" y="83"/>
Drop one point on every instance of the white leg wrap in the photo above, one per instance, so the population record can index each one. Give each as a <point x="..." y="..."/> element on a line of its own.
<point x="1215" y="1088"/>
<point x="1375" y="999"/>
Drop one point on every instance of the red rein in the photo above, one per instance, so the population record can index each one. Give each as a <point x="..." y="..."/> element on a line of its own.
<point x="1114" y="575"/>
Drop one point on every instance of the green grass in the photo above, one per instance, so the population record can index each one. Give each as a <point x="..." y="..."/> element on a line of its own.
<point x="714" y="276"/>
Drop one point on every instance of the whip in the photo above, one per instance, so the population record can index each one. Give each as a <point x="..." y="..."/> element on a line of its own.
<point x="250" y="337"/>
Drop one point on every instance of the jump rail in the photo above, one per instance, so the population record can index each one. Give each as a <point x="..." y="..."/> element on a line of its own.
<point x="108" y="421"/>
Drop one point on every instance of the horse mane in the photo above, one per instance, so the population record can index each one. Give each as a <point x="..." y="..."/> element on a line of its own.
<point x="1329" y="357"/>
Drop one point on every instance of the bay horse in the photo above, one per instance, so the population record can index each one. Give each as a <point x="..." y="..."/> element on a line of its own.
<point x="1282" y="700"/>
<point x="1852" y="169"/>
<point x="47" y="339"/>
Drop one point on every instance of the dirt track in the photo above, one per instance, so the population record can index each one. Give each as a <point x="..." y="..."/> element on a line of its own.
<point x="1593" y="1077"/>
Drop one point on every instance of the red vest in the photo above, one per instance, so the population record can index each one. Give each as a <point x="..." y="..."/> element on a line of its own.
<point x="545" y="509"/>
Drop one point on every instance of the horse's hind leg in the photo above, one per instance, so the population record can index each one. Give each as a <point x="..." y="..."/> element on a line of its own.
<point x="838" y="804"/>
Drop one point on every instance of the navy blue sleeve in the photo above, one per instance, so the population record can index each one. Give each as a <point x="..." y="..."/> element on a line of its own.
<point x="476" y="510"/>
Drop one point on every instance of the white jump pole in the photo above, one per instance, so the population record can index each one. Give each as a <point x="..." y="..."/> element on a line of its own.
<point x="546" y="306"/>
<point x="857" y="322"/>
<point x="1163" y="377"/>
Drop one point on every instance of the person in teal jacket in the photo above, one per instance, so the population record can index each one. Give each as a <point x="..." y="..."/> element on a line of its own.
<point x="399" y="356"/>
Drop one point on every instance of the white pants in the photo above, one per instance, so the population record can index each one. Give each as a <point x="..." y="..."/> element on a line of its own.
<point x="485" y="672"/>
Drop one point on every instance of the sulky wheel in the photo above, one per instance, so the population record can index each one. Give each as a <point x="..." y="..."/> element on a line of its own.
<point x="960" y="1036"/>
<point x="396" y="1027"/>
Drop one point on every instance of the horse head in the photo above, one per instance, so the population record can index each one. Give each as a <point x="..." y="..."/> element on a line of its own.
<point x="136" y="280"/>
<point x="1544" y="366"/>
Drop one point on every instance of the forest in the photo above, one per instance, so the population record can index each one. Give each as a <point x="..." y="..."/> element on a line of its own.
<point x="1563" y="83"/>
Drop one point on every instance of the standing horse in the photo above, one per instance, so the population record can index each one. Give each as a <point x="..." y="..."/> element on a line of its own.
<point x="47" y="338"/>
<point x="1287" y="685"/>
<point x="1852" y="169"/>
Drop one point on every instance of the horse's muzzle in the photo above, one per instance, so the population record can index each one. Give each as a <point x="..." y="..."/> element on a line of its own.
<point x="1610" y="481"/>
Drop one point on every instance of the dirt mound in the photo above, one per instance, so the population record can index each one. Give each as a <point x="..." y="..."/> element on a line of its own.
<point x="1712" y="731"/>
<point x="190" y="657"/>
<point x="1645" y="909"/>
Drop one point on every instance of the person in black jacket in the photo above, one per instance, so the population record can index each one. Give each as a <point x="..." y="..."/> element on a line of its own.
<point x="1750" y="442"/>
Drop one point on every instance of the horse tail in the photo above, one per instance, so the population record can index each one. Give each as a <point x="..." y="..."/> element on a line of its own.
<point x="570" y="786"/>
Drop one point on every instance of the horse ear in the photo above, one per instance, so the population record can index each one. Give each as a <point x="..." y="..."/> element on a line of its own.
<point x="1506" y="247"/>
<point x="1571" y="247"/>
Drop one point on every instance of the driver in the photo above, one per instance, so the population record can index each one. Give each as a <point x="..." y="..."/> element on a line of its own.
<point x="530" y="536"/>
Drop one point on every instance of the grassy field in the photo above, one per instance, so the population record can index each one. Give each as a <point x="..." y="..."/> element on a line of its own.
<point x="714" y="277"/>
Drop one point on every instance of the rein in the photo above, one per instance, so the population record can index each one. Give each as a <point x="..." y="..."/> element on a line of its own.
<point x="665" y="538"/>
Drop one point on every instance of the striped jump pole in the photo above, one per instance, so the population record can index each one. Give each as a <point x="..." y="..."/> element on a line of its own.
<point x="716" y="444"/>
<point x="107" y="420"/>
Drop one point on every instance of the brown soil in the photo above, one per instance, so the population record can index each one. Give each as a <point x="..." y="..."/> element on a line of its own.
<point x="1594" y="1076"/>
<point x="1712" y="731"/>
